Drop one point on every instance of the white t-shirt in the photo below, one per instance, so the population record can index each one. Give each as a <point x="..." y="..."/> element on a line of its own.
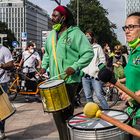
<point x="30" y="62"/>
<point x="5" y="56"/>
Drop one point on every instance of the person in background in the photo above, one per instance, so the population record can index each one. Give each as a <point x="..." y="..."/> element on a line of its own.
<point x="67" y="50"/>
<point x="90" y="81"/>
<point x="132" y="69"/>
<point x="125" y="52"/>
<point x="30" y="62"/>
<point x="117" y="62"/>
<point x="108" y="53"/>
<point x="42" y="52"/>
<point x="6" y="63"/>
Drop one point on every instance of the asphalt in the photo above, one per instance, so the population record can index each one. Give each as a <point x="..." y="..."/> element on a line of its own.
<point x="29" y="122"/>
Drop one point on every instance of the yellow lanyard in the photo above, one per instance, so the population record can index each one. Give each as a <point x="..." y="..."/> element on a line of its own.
<point x="54" y="54"/>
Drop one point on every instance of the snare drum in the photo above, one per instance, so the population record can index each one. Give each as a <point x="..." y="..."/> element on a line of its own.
<point x="6" y="108"/>
<point x="83" y="128"/>
<point x="54" y="95"/>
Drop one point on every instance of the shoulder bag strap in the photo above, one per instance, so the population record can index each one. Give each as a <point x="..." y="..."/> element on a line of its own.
<point x="29" y="56"/>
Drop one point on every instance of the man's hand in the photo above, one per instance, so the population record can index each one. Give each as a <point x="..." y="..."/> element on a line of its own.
<point x="42" y="71"/>
<point x="70" y="71"/>
<point x="137" y="93"/>
<point x="124" y="96"/>
<point x="1" y="65"/>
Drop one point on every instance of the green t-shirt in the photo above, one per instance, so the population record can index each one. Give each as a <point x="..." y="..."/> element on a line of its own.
<point x="132" y="74"/>
<point x="132" y="70"/>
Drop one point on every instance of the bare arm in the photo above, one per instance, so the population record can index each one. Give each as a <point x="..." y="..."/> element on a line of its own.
<point x="7" y="65"/>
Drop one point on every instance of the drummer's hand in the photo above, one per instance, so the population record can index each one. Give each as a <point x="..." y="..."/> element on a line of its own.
<point x="42" y="71"/>
<point x="137" y="93"/>
<point x="124" y="96"/>
<point x="69" y="71"/>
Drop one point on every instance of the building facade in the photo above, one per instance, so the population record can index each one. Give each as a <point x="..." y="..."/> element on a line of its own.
<point x="22" y="16"/>
<point x="132" y="6"/>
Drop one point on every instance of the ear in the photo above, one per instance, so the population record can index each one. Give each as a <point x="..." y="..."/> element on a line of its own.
<point x="63" y="18"/>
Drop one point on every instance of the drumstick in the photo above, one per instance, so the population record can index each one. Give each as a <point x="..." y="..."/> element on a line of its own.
<point x="99" y="114"/>
<point x="55" y="77"/>
<point x="107" y="75"/>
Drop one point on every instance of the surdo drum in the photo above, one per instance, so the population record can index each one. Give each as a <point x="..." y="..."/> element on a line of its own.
<point x="54" y="95"/>
<point x="83" y="128"/>
<point x="6" y="108"/>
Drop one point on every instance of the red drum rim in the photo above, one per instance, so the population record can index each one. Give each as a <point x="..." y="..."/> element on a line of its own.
<point x="91" y="129"/>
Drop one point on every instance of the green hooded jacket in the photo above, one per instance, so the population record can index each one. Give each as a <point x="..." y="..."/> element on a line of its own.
<point x="72" y="50"/>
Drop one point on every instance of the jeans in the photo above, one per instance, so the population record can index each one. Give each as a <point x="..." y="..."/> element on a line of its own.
<point x="2" y="123"/>
<point x="90" y="85"/>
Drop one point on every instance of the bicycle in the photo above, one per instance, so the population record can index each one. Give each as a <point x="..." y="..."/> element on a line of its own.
<point x="17" y="84"/>
<point x="110" y="93"/>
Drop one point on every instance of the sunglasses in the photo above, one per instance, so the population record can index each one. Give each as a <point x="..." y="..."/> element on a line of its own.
<point x="130" y="27"/>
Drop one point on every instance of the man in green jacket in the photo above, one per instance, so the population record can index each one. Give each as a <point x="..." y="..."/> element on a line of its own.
<point x="67" y="50"/>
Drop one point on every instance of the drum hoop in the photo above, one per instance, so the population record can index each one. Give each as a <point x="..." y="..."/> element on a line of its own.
<point x="109" y="127"/>
<point x="52" y="86"/>
<point x="10" y="115"/>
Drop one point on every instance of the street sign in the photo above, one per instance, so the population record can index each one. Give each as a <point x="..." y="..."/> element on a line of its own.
<point x="24" y="35"/>
<point x="2" y="37"/>
<point x="15" y="44"/>
<point x="44" y="37"/>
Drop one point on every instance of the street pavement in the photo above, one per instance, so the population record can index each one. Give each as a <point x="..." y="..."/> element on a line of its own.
<point x="29" y="122"/>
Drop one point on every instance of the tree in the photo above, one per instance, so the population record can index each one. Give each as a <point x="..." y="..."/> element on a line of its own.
<point x="94" y="17"/>
<point x="10" y="36"/>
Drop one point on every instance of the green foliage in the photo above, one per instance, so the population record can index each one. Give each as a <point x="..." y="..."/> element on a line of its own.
<point x="94" y="17"/>
<point x="10" y="36"/>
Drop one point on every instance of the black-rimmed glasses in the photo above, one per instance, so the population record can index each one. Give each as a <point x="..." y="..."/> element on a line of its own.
<point x="130" y="27"/>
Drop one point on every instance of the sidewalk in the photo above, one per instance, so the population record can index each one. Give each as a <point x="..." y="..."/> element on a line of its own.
<point x="31" y="123"/>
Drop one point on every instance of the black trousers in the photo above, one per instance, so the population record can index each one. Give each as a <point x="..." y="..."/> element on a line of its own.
<point x="2" y="126"/>
<point x="60" y="117"/>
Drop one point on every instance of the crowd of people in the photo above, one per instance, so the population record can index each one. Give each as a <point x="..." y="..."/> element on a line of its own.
<point x="68" y="50"/>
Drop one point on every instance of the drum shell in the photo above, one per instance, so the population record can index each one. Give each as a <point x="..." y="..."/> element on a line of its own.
<point x="54" y="98"/>
<point x="112" y="133"/>
<point x="6" y="108"/>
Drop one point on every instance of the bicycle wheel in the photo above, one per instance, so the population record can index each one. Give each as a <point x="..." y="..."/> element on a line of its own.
<point x="114" y="96"/>
<point x="111" y="94"/>
<point x="12" y="91"/>
<point x="12" y="95"/>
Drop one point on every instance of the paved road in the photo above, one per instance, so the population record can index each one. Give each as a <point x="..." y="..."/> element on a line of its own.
<point x="31" y="123"/>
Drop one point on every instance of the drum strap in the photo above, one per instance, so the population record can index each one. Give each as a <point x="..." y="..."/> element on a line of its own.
<point x="54" y="54"/>
<point x="1" y="90"/>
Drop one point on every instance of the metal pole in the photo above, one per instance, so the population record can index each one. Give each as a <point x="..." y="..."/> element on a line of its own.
<point x="24" y="14"/>
<point x="77" y="12"/>
<point x="59" y="3"/>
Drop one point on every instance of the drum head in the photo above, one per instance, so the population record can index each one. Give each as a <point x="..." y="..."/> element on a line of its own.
<point x="51" y="83"/>
<point x="81" y="122"/>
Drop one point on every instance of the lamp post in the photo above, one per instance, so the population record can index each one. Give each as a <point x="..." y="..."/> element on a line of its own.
<point x="24" y="5"/>
<point x="77" y="13"/>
